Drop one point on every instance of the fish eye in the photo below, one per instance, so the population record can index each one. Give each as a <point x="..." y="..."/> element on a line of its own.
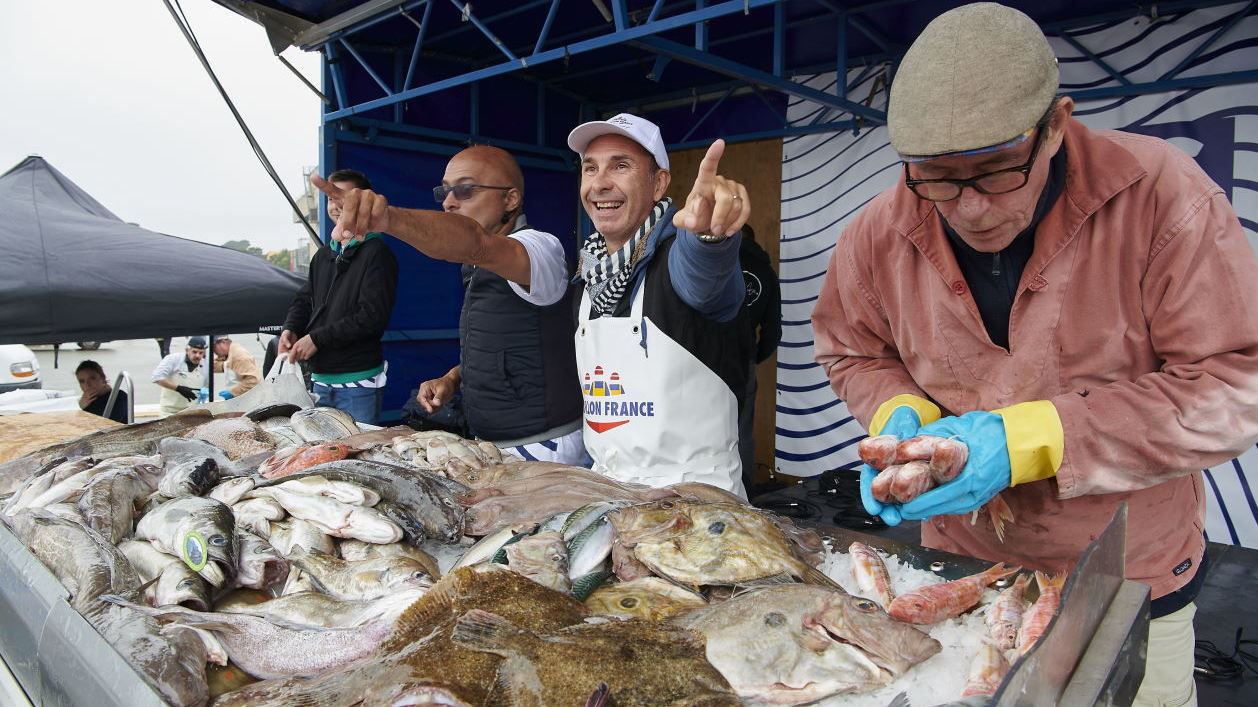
<point x="472" y="477"/>
<point x="629" y="603"/>
<point x="186" y="583"/>
<point x="666" y="504"/>
<point x="866" y="606"/>
<point x="716" y="528"/>
<point x="556" y="558"/>
<point x="774" y="618"/>
<point x="218" y="540"/>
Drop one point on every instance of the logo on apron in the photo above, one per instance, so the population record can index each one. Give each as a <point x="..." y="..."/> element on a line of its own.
<point x="608" y="404"/>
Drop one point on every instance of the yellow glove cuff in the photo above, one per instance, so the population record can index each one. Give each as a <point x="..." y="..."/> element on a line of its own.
<point x="927" y="411"/>
<point x="1035" y="439"/>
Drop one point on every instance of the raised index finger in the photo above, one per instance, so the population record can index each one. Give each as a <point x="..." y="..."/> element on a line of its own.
<point x="328" y="188"/>
<point x="707" y="168"/>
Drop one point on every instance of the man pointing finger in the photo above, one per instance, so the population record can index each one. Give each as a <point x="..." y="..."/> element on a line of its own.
<point x="661" y="348"/>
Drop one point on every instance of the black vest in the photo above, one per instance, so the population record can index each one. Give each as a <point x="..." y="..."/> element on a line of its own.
<point x="518" y="361"/>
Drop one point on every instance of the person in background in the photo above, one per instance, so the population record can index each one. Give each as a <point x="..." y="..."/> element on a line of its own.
<point x="337" y="318"/>
<point x="96" y="389"/>
<point x="1072" y="304"/>
<point x="241" y="367"/>
<point x="517" y="369"/>
<point x="181" y="375"/>
<point x="764" y="312"/>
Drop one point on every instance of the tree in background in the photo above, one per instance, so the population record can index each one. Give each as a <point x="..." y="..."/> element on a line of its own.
<point x="281" y="259"/>
<point x="244" y="246"/>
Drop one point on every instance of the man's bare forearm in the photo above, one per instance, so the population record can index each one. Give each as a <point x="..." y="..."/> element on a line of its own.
<point x="459" y="239"/>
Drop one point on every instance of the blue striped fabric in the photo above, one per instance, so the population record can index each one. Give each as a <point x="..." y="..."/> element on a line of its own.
<point x="827" y="178"/>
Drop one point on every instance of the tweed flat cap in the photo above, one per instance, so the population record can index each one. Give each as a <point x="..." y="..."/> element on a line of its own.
<point x="977" y="76"/>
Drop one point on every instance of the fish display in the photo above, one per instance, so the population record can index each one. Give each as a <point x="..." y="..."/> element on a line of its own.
<point x="318" y="580"/>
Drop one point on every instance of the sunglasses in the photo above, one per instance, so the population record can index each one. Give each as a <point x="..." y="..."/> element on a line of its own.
<point x="462" y="192"/>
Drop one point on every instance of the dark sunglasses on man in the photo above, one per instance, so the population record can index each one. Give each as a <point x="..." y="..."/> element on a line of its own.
<point x="462" y="192"/>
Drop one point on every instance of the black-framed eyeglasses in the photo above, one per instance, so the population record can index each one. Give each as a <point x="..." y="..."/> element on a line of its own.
<point x="1001" y="181"/>
<point x="462" y="192"/>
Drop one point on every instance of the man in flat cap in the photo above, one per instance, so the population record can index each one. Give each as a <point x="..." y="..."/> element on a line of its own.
<point x="1073" y="304"/>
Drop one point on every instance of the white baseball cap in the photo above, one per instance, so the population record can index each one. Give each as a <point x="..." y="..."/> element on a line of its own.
<point x="640" y="130"/>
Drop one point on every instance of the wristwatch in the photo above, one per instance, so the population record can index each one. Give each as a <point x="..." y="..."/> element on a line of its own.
<point x="710" y="238"/>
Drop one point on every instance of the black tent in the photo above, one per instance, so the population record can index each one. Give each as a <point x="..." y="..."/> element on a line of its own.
<point x="73" y="271"/>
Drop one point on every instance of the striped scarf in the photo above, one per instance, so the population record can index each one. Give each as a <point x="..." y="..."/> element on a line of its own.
<point x="606" y="274"/>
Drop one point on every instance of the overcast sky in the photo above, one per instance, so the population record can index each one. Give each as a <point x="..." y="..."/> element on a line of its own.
<point x="111" y="94"/>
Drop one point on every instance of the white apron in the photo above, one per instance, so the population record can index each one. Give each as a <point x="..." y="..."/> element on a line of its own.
<point x="172" y="402"/>
<point x="654" y="414"/>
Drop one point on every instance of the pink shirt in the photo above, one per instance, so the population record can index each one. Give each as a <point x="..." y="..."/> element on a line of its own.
<point x="1137" y="316"/>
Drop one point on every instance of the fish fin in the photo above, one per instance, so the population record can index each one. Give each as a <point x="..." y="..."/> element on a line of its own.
<point x="598" y="698"/>
<point x="752" y="585"/>
<point x="812" y="575"/>
<point x="900" y="700"/>
<point x="481" y="631"/>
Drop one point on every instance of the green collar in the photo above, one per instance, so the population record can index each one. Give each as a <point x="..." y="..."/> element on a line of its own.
<point x="337" y="247"/>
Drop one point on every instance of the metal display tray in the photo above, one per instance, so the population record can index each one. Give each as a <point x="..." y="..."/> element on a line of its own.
<point x="1091" y="654"/>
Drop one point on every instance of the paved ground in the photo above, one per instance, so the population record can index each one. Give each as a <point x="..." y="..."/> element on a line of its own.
<point x="137" y="357"/>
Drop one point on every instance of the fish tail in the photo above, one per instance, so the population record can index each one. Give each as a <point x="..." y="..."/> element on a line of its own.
<point x="598" y="698"/>
<point x="1000" y="513"/>
<point x="482" y="631"/>
<point x="999" y="571"/>
<point x="812" y="575"/>
<point x="1045" y="581"/>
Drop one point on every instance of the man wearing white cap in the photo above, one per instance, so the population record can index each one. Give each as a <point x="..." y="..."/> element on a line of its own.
<point x="661" y="349"/>
<point x="1073" y="304"/>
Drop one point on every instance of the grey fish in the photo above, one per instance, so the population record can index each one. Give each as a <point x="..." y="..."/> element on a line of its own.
<point x="230" y="491"/>
<point x="54" y="472"/>
<point x="361" y="579"/>
<point x="318" y="609"/>
<point x="201" y="531"/>
<point x="589" y="550"/>
<point x="168" y="579"/>
<point x="85" y="562"/>
<point x="269" y="412"/>
<point x="283" y="436"/>
<point x="351" y="549"/>
<point x="109" y="502"/>
<point x="71" y="488"/>
<point x="123" y="440"/>
<point x="178" y="449"/>
<point x="296" y="534"/>
<point x="188" y="478"/>
<point x="796" y="643"/>
<point x="265" y="649"/>
<point x="258" y="564"/>
<point x="322" y="424"/>
<point x="421" y="503"/>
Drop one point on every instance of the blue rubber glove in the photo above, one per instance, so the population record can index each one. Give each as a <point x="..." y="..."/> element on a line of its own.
<point x="225" y="394"/>
<point x="986" y="473"/>
<point x="903" y="423"/>
<point x="204" y="395"/>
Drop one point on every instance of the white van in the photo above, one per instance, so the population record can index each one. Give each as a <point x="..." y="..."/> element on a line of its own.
<point x="18" y="368"/>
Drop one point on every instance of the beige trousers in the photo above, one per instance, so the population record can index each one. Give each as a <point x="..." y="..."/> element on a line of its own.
<point x="1168" y="673"/>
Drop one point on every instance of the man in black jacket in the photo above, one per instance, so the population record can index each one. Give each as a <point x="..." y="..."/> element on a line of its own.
<point x="517" y="368"/>
<point x="764" y="311"/>
<point x="336" y="320"/>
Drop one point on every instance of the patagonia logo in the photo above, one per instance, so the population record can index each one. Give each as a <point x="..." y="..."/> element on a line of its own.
<point x="1182" y="567"/>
